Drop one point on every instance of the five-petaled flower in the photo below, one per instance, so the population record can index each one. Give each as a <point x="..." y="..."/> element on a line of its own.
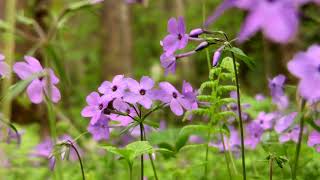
<point x="39" y="86"/>
<point x="306" y="66"/>
<point x="177" y="37"/>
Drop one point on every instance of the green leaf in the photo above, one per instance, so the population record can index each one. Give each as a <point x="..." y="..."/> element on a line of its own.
<point x="242" y="56"/>
<point x="227" y="64"/>
<point x="138" y="148"/>
<point x="124" y="153"/>
<point x="151" y="123"/>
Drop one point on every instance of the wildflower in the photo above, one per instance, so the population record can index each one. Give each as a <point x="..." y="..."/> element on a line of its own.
<point x="190" y="94"/>
<point x="168" y="62"/>
<point x="278" y="20"/>
<point x="177" y="38"/>
<point x="123" y="107"/>
<point x="44" y="150"/>
<point x="253" y="136"/>
<point x="292" y="134"/>
<point x="4" y="67"/>
<point x="95" y="108"/>
<point x="114" y="89"/>
<point x="100" y="130"/>
<point x="265" y="120"/>
<point x="314" y="140"/>
<point x="276" y="86"/>
<point x="176" y="100"/>
<point x="38" y="87"/>
<point x="306" y="66"/>
<point x="140" y="92"/>
<point x="285" y="122"/>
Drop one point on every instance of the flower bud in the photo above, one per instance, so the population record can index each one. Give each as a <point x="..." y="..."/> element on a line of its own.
<point x="216" y="56"/>
<point x="196" y="32"/>
<point x="202" y="45"/>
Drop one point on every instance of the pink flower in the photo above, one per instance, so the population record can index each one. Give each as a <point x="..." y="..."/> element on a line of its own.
<point x="38" y="87"/>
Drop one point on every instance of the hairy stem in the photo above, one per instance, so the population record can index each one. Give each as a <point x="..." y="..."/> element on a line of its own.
<point x="270" y="167"/>
<point x="141" y="158"/>
<point x="79" y="158"/>
<point x="298" y="147"/>
<point x="240" y="117"/>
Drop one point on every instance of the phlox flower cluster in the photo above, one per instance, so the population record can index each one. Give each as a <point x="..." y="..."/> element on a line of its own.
<point x="124" y="100"/>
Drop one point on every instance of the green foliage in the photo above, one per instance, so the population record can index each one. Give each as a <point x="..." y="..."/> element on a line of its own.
<point x="131" y="151"/>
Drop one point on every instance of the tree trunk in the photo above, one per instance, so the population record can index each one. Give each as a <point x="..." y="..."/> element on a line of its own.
<point x="118" y="39"/>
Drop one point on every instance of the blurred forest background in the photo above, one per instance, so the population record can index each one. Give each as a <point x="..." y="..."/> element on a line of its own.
<point x="115" y="37"/>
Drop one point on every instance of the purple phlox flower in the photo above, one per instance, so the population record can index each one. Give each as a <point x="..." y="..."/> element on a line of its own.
<point x="140" y="93"/>
<point x="95" y="108"/>
<point x="190" y="94"/>
<point x="292" y="134"/>
<point x="265" y="120"/>
<point x="114" y="89"/>
<point x="38" y="87"/>
<point x="253" y="137"/>
<point x="171" y="96"/>
<point x="216" y="56"/>
<point x="276" y="86"/>
<point x="285" y="122"/>
<point x="306" y="66"/>
<point x="123" y="107"/>
<point x="4" y="67"/>
<point x="231" y="142"/>
<point x="314" y="140"/>
<point x="278" y="20"/>
<point x="168" y="62"/>
<point x="100" y="130"/>
<point x="227" y="4"/>
<point x="44" y="150"/>
<point x="177" y="38"/>
<point x="260" y="97"/>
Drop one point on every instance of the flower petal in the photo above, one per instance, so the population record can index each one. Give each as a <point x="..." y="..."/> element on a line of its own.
<point x="34" y="91"/>
<point x="146" y="83"/>
<point x="176" y="107"/>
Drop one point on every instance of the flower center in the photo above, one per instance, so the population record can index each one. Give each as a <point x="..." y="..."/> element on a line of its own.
<point x="128" y="111"/>
<point x="40" y="78"/>
<point x="318" y="68"/>
<point x="179" y="36"/>
<point x="106" y="111"/>
<point x="261" y="121"/>
<point x="100" y="106"/>
<point x="255" y="135"/>
<point x="142" y="92"/>
<point x="174" y="95"/>
<point x="114" y="88"/>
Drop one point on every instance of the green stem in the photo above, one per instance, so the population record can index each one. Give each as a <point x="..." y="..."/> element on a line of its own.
<point x="298" y="147"/>
<point x="240" y="117"/>
<point x="141" y="158"/>
<point x="207" y="154"/>
<point x="130" y="171"/>
<point x="80" y="161"/>
<point x="270" y="167"/>
<point x="150" y="157"/>
<point x="225" y="155"/>
<point x="9" y="50"/>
